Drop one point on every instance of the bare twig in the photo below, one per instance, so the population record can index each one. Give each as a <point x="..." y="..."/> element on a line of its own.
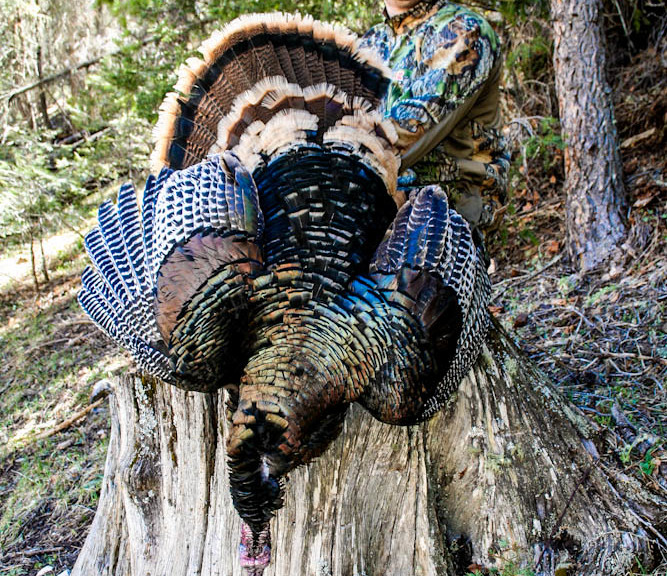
<point x="624" y="24"/>
<point x="523" y="122"/>
<point x="583" y="318"/>
<point x="526" y="277"/>
<point x="621" y="355"/>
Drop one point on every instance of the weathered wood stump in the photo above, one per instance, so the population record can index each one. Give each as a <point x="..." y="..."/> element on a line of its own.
<point x="510" y="468"/>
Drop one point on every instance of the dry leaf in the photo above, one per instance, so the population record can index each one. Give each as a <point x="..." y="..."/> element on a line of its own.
<point x="644" y="200"/>
<point x="553" y="247"/>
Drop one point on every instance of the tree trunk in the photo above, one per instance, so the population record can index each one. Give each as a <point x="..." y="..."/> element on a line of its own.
<point x="509" y="474"/>
<point x="33" y="262"/>
<point x="43" y="108"/>
<point x="45" y="271"/>
<point x="596" y="201"/>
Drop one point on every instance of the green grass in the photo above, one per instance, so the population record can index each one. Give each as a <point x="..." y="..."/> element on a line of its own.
<point x="48" y="476"/>
<point x="51" y="357"/>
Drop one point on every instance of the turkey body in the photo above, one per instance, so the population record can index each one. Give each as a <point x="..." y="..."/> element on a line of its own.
<point x="274" y="255"/>
<point x="319" y="331"/>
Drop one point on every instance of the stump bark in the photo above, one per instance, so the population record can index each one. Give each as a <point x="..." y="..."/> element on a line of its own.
<point x="509" y="474"/>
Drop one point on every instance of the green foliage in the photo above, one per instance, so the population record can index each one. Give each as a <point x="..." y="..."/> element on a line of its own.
<point x="529" y="236"/>
<point x="128" y="11"/>
<point x="647" y="465"/>
<point x="136" y="79"/>
<point x="532" y="58"/>
<point x="358" y="15"/>
<point x="545" y="142"/>
<point x="516" y="11"/>
<point x="43" y="182"/>
<point x="33" y="185"/>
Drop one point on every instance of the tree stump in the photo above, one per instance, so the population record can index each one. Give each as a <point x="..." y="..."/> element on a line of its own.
<point x="507" y="475"/>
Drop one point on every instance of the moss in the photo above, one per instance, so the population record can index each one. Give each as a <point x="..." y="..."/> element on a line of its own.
<point x="495" y="462"/>
<point x="511" y="366"/>
<point x="485" y="358"/>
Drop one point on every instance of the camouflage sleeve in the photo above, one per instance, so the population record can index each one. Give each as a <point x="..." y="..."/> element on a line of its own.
<point x="437" y="67"/>
<point x="437" y="70"/>
<point x="491" y="153"/>
<point x="377" y="40"/>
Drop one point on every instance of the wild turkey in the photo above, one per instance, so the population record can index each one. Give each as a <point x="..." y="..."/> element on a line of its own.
<point x="259" y="260"/>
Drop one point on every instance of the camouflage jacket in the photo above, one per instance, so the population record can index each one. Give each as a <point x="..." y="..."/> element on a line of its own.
<point x="444" y="100"/>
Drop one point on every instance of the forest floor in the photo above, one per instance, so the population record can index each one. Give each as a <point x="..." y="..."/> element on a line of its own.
<point x="601" y="337"/>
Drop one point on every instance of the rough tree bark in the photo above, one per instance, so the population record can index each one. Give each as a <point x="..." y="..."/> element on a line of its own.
<point x="596" y="200"/>
<point x="510" y="468"/>
<point x="43" y="108"/>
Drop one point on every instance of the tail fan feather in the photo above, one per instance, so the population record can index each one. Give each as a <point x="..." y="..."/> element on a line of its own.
<point x="246" y="52"/>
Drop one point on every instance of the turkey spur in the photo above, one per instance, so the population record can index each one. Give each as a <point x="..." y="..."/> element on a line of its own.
<point x="274" y="255"/>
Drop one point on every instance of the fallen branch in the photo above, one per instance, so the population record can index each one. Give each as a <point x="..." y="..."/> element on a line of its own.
<point x="634" y="140"/>
<point x="87" y="64"/>
<point x="67" y="423"/>
<point x="52" y="77"/>
<point x="40" y="551"/>
<point x="86" y="139"/>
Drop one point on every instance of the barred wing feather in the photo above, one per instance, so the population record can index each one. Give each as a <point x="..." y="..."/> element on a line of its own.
<point x="163" y="283"/>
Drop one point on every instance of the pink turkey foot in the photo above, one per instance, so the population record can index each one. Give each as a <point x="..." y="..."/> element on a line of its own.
<point x="254" y="551"/>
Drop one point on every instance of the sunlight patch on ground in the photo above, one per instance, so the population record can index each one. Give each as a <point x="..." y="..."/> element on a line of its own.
<point x="17" y="268"/>
<point x="38" y="421"/>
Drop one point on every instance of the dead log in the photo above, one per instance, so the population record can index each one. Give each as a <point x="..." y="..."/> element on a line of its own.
<point x="507" y="475"/>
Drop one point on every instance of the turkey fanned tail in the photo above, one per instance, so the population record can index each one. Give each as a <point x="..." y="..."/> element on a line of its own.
<point x="256" y="267"/>
<point x="167" y="285"/>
